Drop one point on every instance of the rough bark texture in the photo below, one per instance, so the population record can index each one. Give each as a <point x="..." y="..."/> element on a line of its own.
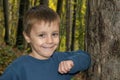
<point x="103" y="39"/>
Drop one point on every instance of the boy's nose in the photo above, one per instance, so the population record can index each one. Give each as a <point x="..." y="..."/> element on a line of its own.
<point x="49" y="39"/>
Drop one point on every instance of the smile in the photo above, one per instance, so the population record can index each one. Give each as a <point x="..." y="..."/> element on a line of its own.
<point x="48" y="47"/>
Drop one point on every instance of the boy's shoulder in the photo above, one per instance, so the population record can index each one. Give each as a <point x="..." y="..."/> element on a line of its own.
<point x="18" y="61"/>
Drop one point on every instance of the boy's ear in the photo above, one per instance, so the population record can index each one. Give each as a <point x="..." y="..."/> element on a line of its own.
<point x="27" y="38"/>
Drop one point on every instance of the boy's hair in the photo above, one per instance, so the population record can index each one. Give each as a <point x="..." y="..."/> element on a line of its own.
<point x="38" y="14"/>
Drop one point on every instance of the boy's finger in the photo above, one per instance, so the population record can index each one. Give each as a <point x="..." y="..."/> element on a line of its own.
<point x="62" y="68"/>
<point x="65" y="66"/>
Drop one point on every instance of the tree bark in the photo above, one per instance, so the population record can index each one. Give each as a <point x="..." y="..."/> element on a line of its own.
<point x="73" y="26"/>
<point x="23" y="7"/>
<point x="6" y="19"/>
<point x="68" y="24"/>
<point x="103" y="39"/>
<point x="59" y="7"/>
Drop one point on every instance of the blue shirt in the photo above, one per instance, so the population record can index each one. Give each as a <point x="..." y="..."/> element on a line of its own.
<point x="30" y="68"/>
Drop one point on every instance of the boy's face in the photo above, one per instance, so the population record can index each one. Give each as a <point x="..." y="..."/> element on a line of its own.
<point x="44" y="39"/>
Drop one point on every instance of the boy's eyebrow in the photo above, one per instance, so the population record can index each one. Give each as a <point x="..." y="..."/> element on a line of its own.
<point x="45" y="32"/>
<point x="56" y="31"/>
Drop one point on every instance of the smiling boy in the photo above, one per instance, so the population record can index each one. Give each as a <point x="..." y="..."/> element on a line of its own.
<point x="41" y="31"/>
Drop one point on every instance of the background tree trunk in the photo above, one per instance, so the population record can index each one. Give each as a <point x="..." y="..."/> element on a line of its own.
<point x="73" y="25"/>
<point x="22" y="8"/>
<point x="103" y="39"/>
<point x="68" y="24"/>
<point x="6" y="19"/>
<point x="59" y="7"/>
<point x="44" y="2"/>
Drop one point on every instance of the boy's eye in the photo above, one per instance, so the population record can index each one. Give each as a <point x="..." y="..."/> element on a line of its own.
<point x="55" y="34"/>
<point x="42" y="35"/>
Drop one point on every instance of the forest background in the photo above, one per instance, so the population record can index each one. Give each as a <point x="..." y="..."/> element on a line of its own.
<point x="12" y="43"/>
<point x="90" y="25"/>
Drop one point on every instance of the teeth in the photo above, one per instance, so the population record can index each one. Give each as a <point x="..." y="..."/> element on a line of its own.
<point x="48" y="47"/>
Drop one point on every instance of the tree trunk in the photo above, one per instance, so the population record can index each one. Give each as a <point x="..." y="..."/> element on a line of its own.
<point x="103" y="39"/>
<point x="44" y="2"/>
<point x="23" y="7"/>
<point x="68" y="24"/>
<point x="6" y="19"/>
<point x="59" y="7"/>
<point x="35" y="2"/>
<point x="73" y="26"/>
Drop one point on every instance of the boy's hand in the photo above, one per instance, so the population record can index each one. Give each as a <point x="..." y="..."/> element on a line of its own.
<point x="65" y="66"/>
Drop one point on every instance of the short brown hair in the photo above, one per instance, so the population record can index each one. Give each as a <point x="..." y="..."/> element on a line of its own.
<point x="38" y="14"/>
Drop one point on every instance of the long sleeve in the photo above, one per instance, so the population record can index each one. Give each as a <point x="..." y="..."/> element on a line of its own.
<point x="81" y="59"/>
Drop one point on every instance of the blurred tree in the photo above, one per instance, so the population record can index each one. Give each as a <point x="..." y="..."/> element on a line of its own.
<point x="59" y="7"/>
<point x="35" y="2"/>
<point x="13" y="20"/>
<point x="103" y="39"/>
<point x="5" y="9"/>
<point x="81" y="10"/>
<point x="73" y="25"/>
<point x="68" y="24"/>
<point x="44" y="2"/>
<point x="24" y="4"/>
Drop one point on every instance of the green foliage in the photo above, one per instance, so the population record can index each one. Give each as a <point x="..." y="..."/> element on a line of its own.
<point x="1" y="34"/>
<point x="80" y="24"/>
<point x="7" y="55"/>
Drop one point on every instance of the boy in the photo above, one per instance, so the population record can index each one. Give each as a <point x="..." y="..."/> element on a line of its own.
<point x="41" y="31"/>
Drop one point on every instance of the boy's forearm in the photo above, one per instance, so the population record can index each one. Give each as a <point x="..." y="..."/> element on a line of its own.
<point x="81" y="61"/>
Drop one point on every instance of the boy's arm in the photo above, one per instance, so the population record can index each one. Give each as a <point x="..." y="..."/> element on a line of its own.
<point x="76" y="61"/>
